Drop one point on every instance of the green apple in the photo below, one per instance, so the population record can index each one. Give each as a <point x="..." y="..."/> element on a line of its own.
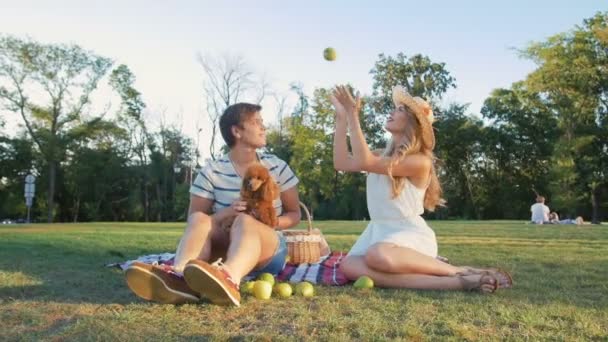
<point x="305" y="289"/>
<point x="329" y="54"/>
<point x="262" y="289"/>
<point x="364" y="282"/>
<point x="284" y="290"/>
<point x="248" y="287"/>
<point x="267" y="277"/>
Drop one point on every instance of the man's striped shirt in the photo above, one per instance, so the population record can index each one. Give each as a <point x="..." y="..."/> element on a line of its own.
<point x="219" y="181"/>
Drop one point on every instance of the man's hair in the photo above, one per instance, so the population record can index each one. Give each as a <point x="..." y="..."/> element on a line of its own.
<point x="234" y="115"/>
<point x="540" y="199"/>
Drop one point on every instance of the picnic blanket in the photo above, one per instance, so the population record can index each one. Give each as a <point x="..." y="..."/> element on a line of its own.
<point x="325" y="272"/>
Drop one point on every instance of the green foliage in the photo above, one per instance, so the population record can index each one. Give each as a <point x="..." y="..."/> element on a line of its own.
<point x="572" y="77"/>
<point x="49" y="87"/>
<point x="546" y="133"/>
<point x="418" y="74"/>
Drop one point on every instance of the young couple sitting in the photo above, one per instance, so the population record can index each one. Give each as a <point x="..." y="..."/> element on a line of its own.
<point x="397" y="249"/>
<point x="542" y="215"/>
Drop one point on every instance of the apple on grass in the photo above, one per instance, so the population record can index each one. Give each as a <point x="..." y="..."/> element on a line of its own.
<point x="364" y="282"/>
<point x="262" y="289"/>
<point x="284" y="290"/>
<point x="267" y="277"/>
<point x="248" y="287"/>
<point x="305" y="289"/>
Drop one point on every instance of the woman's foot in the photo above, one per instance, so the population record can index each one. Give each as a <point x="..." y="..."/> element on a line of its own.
<point x="505" y="281"/>
<point x="484" y="283"/>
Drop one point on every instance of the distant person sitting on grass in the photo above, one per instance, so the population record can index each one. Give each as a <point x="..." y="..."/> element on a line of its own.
<point x="540" y="212"/>
<point x="398" y="249"/>
<point x="247" y="246"/>
<point x="554" y="219"/>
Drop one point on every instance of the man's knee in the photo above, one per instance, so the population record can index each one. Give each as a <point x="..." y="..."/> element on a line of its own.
<point x="243" y="220"/>
<point x="198" y="220"/>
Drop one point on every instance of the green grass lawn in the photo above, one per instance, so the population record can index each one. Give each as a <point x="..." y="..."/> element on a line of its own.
<point x="54" y="286"/>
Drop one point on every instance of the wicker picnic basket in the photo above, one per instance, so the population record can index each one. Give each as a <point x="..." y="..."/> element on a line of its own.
<point x="303" y="246"/>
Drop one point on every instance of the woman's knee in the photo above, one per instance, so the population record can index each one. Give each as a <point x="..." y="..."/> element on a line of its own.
<point x="378" y="258"/>
<point x="349" y="268"/>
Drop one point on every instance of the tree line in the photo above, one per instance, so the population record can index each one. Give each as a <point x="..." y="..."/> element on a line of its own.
<point x="547" y="133"/>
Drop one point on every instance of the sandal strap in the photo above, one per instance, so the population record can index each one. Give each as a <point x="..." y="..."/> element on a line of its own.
<point x="499" y="274"/>
<point x="470" y="285"/>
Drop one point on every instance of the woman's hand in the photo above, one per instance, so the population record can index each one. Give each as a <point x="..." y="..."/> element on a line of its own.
<point x="340" y="110"/>
<point x="345" y="101"/>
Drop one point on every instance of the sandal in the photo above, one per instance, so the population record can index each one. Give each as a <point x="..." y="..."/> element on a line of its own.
<point x="505" y="281"/>
<point x="486" y="284"/>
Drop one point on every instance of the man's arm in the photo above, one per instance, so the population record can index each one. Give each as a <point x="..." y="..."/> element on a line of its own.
<point x="291" y="209"/>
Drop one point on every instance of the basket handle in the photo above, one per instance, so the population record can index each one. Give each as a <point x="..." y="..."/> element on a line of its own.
<point x="307" y="217"/>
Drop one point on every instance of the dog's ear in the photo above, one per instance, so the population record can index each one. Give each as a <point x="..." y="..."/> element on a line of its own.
<point x="245" y="193"/>
<point x="270" y="190"/>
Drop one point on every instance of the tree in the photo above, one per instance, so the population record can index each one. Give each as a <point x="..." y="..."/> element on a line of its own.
<point x="459" y="149"/>
<point x="172" y="148"/>
<point x="49" y="87"/>
<point x="97" y="182"/>
<point x="418" y="74"/>
<point x="572" y="76"/>
<point x="131" y="117"/>
<point x="16" y="156"/>
<point x="278" y="137"/>
<point x="227" y="80"/>
<point x="518" y="148"/>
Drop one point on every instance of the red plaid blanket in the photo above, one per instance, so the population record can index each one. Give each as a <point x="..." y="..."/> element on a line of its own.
<point x="325" y="272"/>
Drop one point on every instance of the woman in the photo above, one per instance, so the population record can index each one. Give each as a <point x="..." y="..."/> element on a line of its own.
<point x="247" y="245"/>
<point x="398" y="249"/>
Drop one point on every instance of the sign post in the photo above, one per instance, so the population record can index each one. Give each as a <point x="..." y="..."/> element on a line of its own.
<point x="30" y="189"/>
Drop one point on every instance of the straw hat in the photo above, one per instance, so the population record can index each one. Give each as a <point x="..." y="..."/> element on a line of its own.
<point x="421" y="109"/>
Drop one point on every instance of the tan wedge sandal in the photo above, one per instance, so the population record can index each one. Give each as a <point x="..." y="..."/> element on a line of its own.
<point x="505" y="281"/>
<point x="486" y="284"/>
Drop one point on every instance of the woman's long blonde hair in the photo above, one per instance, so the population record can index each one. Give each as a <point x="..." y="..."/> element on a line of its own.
<point x="412" y="145"/>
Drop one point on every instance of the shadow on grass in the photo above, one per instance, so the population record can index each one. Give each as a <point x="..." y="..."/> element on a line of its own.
<point x="64" y="273"/>
<point x="71" y="271"/>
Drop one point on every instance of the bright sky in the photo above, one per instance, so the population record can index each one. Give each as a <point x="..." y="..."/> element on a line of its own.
<point x="159" y="41"/>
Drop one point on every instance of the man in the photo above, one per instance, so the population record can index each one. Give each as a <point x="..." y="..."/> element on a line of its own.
<point x="247" y="245"/>
<point x="540" y="212"/>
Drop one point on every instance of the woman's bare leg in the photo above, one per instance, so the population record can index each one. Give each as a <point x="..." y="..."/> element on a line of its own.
<point x="356" y="266"/>
<point x="390" y="258"/>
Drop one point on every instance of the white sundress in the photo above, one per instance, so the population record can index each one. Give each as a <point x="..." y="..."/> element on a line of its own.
<point x="395" y="220"/>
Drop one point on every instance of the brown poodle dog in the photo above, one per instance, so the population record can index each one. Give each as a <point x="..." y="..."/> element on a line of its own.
<point x="259" y="190"/>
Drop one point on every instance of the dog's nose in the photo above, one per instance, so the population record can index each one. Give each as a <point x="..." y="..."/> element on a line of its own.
<point x="254" y="184"/>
